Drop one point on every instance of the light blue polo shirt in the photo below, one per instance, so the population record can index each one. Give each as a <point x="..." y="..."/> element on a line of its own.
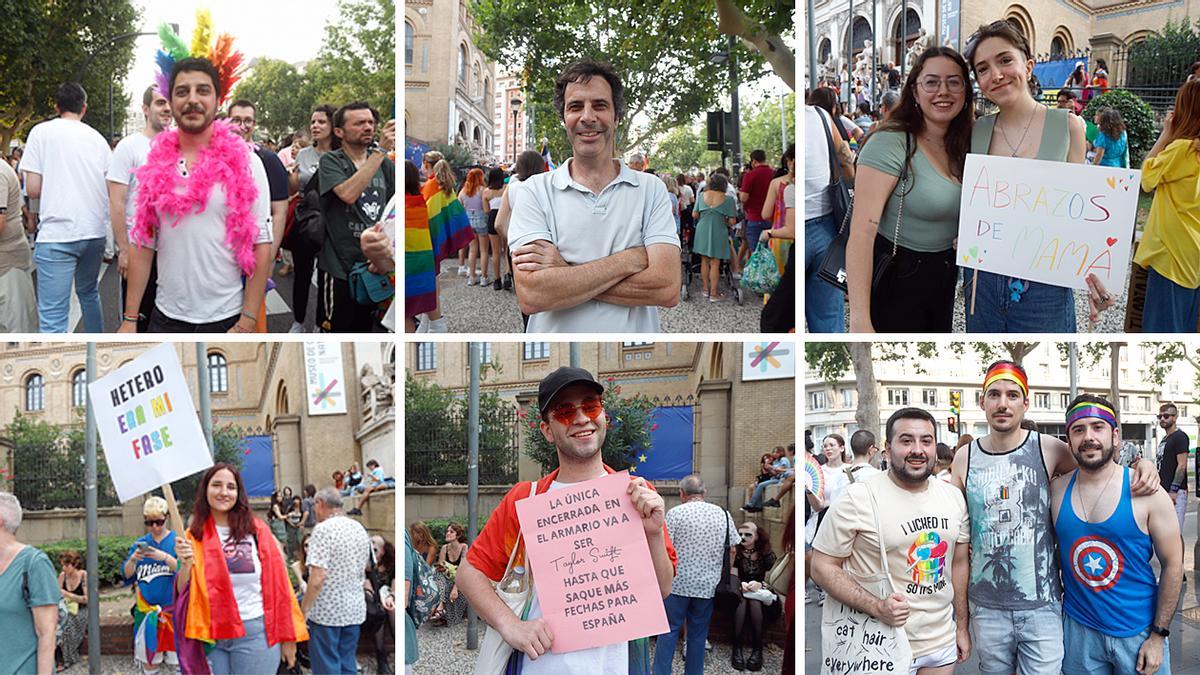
<point x="632" y="210"/>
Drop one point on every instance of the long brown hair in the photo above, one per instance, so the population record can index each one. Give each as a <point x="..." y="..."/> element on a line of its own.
<point x="1186" y="122"/>
<point x="241" y="518"/>
<point x="474" y="182"/>
<point x="422" y="538"/>
<point x="1111" y="124"/>
<point x="908" y="118"/>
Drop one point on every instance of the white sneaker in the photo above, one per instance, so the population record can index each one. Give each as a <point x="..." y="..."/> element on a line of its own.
<point x="462" y="270"/>
<point x="296" y="327"/>
<point x="485" y="282"/>
<point x="471" y="281"/>
<point x="423" y="326"/>
<point x="438" y="326"/>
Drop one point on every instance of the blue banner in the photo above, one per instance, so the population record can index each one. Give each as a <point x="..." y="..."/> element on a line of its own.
<point x="670" y="454"/>
<point x="1052" y="74"/>
<point x="258" y="466"/>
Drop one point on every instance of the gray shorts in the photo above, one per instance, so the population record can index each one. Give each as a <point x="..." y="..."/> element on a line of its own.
<point x="1028" y="641"/>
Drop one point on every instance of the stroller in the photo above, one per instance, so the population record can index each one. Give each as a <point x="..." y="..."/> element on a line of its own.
<point x="690" y="262"/>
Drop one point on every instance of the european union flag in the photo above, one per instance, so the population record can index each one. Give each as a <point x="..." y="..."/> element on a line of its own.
<point x="669" y="456"/>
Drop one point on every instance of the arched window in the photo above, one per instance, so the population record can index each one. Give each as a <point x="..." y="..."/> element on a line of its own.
<point x="1057" y="49"/>
<point x="914" y="31"/>
<point x="487" y="89"/>
<point x="35" y="397"/>
<point x="79" y="388"/>
<point x="477" y="80"/>
<point x="860" y="34"/>
<point x="409" y="39"/>
<point x="462" y="64"/>
<point x="218" y="373"/>
<point x="823" y="50"/>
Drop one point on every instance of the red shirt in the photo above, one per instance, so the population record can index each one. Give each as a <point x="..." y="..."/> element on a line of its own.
<point x="755" y="182"/>
<point x="489" y="554"/>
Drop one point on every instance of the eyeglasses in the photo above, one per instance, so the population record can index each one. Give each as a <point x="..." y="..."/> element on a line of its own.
<point x="155" y="521"/>
<point x="242" y="122"/>
<point x="565" y="413"/>
<point x="931" y="84"/>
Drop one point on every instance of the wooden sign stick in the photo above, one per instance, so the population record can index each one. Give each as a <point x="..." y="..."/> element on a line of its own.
<point x="974" y="289"/>
<point x="173" y="508"/>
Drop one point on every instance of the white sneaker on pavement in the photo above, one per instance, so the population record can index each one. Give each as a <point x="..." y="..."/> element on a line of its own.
<point x="296" y="327"/>
<point x="462" y="271"/>
<point x="438" y="326"/>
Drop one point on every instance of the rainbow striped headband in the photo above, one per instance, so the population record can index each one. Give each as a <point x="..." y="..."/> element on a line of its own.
<point x="1091" y="409"/>
<point x="1006" y="371"/>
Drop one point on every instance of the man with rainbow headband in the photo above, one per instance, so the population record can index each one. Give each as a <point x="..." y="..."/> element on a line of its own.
<point x="203" y="203"/>
<point x="1117" y="614"/>
<point x="1014" y="591"/>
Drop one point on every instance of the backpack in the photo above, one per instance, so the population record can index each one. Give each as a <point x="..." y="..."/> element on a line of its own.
<point x="307" y="232"/>
<point x="425" y="594"/>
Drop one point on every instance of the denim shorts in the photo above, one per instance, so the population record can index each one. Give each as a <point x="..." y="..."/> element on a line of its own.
<point x="1029" y="641"/>
<point x="1090" y="651"/>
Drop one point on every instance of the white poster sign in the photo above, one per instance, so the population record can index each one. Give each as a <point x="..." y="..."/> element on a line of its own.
<point x="148" y="424"/>
<point x="768" y="360"/>
<point x="1051" y="222"/>
<point x="324" y="379"/>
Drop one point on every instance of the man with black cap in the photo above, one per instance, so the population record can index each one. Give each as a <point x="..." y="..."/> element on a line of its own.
<point x="573" y="419"/>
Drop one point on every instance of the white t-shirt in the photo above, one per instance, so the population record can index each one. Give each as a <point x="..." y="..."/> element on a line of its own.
<point x="816" y="163"/>
<point x="72" y="159"/>
<point x="607" y="660"/>
<point x="130" y="155"/>
<point x="632" y="210"/>
<point x="245" y="573"/>
<point x="195" y="249"/>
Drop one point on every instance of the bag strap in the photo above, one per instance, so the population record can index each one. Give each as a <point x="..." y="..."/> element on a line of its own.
<point x="879" y="533"/>
<point x="835" y="176"/>
<point x="901" y="184"/>
<point x="512" y="556"/>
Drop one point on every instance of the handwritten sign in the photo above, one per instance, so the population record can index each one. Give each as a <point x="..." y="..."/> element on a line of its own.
<point x="147" y="423"/>
<point x="591" y="564"/>
<point x="853" y="642"/>
<point x="1051" y="222"/>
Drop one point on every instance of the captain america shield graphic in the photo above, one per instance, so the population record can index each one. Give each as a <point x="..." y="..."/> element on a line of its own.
<point x="1096" y="562"/>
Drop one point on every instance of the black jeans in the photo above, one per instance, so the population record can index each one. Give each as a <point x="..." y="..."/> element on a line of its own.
<point x="337" y="312"/>
<point x="302" y="270"/>
<point x="146" y="309"/>
<point x="161" y="323"/>
<point x="916" y="292"/>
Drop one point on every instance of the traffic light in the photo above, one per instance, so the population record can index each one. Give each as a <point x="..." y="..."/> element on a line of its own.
<point x="951" y="425"/>
<point x="955" y="402"/>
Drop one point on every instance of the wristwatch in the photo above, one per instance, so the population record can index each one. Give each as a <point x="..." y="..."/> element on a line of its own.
<point x="1159" y="631"/>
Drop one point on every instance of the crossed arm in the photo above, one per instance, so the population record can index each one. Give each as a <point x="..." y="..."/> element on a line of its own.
<point x="634" y="277"/>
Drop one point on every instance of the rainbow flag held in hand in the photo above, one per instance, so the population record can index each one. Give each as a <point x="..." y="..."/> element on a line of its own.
<point x="449" y="227"/>
<point x="420" y="275"/>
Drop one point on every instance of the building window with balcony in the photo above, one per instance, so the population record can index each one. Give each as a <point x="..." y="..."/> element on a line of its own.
<point x="426" y="356"/>
<point x="34" y="393"/>
<point x="897" y="396"/>
<point x="218" y="373"/>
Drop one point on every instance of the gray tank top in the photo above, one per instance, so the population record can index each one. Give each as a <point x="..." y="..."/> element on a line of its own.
<point x="1013" y="565"/>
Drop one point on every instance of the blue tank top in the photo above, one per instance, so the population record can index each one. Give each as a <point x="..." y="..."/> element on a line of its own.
<point x="1108" y="583"/>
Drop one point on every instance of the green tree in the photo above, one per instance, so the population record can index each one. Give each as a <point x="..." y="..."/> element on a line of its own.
<point x="357" y="60"/>
<point x="661" y="50"/>
<point x="283" y="97"/>
<point x="761" y="127"/>
<point x="682" y="148"/>
<point x="227" y="448"/>
<point x="630" y="421"/>
<point x="43" y="43"/>
<point x="1137" y="115"/>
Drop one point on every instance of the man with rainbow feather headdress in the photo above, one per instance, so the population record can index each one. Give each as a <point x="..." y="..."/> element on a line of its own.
<point x="202" y="201"/>
<point x="1014" y="591"/>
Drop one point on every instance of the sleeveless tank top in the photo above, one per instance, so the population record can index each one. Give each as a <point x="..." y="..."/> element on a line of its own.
<point x="1012" y="541"/>
<point x="1109" y="584"/>
<point x="1056" y="135"/>
<point x="473" y="203"/>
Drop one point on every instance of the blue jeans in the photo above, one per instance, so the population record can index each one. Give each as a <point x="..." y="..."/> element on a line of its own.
<point x="754" y="229"/>
<point x="247" y="654"/>
<point x="1029" y="641"/>
<point x="331" y="648"/>
<point x="824" y="303"/>
<point x="58" y="264"/>
<point x="1092" y="652"/>
<point x="757" y="498"/>
<point x="696" y="612"/>
<point x="1040" y="308"/>
<point x="1169" y="308"/>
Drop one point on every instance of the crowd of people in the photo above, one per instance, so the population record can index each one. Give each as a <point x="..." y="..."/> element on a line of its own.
<point x="216" y="597"/>
<point x="1031" y="552"/>
<point x="900" y="272"/>
<point x="194" y="213"/>
<point x="518" y="230"/>
<point x="705" y="565"/>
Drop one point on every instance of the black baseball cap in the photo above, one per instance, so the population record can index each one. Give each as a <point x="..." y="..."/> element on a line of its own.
<point x="560" y="378"/>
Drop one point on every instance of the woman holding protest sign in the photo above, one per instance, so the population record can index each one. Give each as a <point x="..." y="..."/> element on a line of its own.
<point x="150" y="566"/>
<point x="900" y="264"/>
<point x="233" y="585"/>
<point x="1023" y="128"/>
<point x="1170" y="246"/>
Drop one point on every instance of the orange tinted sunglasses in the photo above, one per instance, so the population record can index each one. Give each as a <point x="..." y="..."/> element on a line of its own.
<point x="565" y="413"/>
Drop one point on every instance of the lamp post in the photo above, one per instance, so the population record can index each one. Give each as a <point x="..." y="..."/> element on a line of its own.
<point x="516" y="108"/>
<point x="735" y="143"/>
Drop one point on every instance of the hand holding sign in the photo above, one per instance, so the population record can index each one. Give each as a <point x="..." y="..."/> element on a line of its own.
<point x="587" y="546"/>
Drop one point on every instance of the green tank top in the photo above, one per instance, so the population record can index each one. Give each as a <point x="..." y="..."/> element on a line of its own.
<point x="1056" y="135"/>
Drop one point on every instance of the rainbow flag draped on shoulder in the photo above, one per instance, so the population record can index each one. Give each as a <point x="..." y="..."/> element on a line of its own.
<point x="420" y="276"/>
<point x="449" y="227"/>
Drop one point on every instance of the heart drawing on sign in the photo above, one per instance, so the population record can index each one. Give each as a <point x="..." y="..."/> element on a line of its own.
<point x="974" y="251"/>
<point x="1110" y="181"/>
<point x="1111" y="240"/>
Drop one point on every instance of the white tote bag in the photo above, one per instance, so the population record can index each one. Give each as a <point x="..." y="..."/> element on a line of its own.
<point x="856" y="642"/>
<point x="493" y="650"/>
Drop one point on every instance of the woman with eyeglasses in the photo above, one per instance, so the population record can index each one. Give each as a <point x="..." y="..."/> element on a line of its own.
<point x="150" y="567"/>
<point x="900" y="256"/>
<point x="1002" y="62"/>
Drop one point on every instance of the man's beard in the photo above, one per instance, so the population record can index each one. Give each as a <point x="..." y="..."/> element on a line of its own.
<point x="1106" y="455"/>
<point x="910" y="475"/>
<point x="192" y="128"/>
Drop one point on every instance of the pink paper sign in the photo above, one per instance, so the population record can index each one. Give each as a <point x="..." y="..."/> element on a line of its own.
<point x="591" y="564"/>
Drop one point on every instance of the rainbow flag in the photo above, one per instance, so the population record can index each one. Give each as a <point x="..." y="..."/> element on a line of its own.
<point x="420" y="275"/>
<point x="449" y="227"/>
<point x="817" y="478"/>
<point x="153" y="630"/>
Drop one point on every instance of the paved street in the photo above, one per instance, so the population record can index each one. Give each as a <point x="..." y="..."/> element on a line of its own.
<point x="1185" y="628"/>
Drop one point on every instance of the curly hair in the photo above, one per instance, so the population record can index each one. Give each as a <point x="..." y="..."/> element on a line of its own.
<point x="581" y="72"/>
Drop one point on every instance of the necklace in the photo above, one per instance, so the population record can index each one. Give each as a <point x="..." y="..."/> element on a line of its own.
<point x="1017" y="148"/>
<point x="1087" y="513"/>
<point x="940" y="144"/>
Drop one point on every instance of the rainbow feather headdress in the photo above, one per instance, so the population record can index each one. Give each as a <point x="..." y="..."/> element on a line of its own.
<point x="220" y="53"/>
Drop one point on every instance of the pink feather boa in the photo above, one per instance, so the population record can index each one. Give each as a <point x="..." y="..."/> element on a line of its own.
<point x="226" y="160"/>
